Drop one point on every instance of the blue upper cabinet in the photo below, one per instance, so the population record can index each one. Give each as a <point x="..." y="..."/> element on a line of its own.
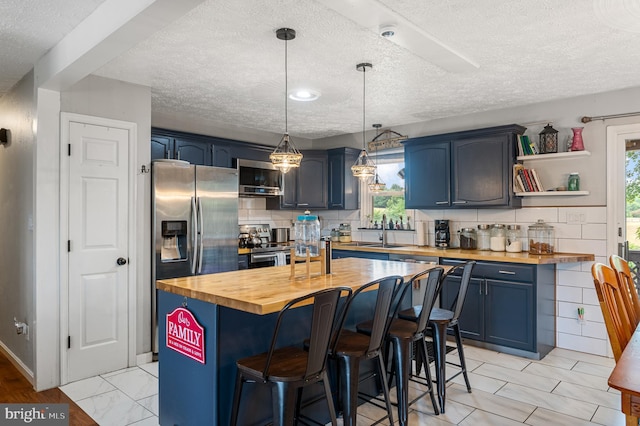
<point x="471" y="169"/>
<point x="344" y="188"/>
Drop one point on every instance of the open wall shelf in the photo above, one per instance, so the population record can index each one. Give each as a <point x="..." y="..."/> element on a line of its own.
<point x="557" y="155"/>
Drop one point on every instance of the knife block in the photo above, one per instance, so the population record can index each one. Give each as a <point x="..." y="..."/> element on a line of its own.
<point x="307" y="259"/>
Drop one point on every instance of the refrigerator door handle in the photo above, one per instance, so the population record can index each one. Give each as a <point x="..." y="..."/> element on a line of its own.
<point x="194" y="231"/>
<point x="200" y="221"/>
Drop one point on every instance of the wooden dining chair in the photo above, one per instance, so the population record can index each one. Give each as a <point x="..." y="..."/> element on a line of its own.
<point x="616" y="317"/>
<point x="628" y="288"/>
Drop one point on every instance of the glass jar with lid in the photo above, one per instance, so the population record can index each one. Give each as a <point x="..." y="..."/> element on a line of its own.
<point x="514" y="243"/>
<point x="307" y="235"/>
<point x="541" y="238"/>
<point x="335" y="235"/>
<point x="498" y="238"/>
<point x="574" y="182"/>
<point x="484" y="237"/>
<point x="468" y="239"/>
<point x="345" y="233"/>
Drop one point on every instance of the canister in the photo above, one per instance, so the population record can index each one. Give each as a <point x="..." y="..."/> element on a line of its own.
<point x="498" y="237"/>
<point x="345" y="233"/>
<point x="484" y="237"/>
<point x="468" y="239"/>
<point x="514" y="243"/>
<point x="541" y="238"/>
<point x="574" y="182"/>
<point x="307" y="235"/>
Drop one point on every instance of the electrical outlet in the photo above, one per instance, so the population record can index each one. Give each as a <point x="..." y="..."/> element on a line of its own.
<point x="576" y="218"/>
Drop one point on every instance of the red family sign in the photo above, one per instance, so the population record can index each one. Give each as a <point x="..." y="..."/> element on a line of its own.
<point x="185" y="335"/>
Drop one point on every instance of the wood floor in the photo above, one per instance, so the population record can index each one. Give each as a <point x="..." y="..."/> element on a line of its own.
<point x="15" y="388"/>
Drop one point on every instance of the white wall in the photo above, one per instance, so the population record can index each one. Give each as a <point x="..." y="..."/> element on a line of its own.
<point x="117" y="100"/>
<point x="17" y="111"/>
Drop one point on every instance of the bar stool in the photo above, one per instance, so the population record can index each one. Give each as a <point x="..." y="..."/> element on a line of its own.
<point x="288" y="369"/>
<point x="628" y="288"/>
<point x="441" y="320"/>
<point x="351" y="347"/>
<point x="402" y="334"/>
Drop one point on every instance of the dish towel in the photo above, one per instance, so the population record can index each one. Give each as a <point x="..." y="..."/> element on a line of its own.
<point x="281" y="259"/>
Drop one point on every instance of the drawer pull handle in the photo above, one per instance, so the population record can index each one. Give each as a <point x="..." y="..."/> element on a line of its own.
<point x="442" y="202"/>
<point x="506" y="272"/>
<point x="459" y="202"/>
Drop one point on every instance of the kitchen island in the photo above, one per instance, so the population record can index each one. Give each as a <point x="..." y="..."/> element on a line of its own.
<point x="237" y="312"/>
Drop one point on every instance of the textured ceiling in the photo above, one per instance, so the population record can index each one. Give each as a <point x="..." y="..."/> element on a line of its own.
<point x="223" y="63"/>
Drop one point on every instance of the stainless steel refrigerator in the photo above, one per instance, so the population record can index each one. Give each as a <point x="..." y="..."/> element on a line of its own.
<point x="195" y="223"/>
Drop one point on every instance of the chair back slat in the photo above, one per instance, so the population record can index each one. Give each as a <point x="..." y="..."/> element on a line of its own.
<point x="464" y="286"/>
<point x="613" y="308"/>
<point x="627" y="287"/>
<point x="434" y="282"/>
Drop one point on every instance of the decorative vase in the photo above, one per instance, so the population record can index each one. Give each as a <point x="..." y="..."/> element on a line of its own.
<point x="577" y="144"/>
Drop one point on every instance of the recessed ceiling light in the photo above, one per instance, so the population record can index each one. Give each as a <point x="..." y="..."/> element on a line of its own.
<point x="387" y="31"/>
<point x="304" y="95"/>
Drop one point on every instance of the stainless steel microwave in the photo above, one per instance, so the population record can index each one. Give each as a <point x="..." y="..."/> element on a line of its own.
<point x="259" y="179"/>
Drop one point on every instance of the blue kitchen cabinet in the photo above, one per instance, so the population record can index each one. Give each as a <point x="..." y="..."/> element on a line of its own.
<point x="304" y="187"/>
<point x="470" y="169"/>
<point x="508" y="305"/>
<point x="195" y="152"/>
<point x="339" y="254"/>
<point x="161" y="148"/>
<point x="344" y="188"/>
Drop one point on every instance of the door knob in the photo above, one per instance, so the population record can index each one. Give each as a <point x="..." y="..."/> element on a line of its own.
<point x="121" y="261"/>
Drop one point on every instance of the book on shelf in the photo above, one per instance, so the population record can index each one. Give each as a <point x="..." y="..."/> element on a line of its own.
<point x="526" y="180"/>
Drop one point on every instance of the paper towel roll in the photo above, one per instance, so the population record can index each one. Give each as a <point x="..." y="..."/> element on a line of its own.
<point x="421" y="233"/>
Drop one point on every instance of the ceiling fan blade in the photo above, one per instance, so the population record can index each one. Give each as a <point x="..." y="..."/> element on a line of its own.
<point x="373" y="15"/>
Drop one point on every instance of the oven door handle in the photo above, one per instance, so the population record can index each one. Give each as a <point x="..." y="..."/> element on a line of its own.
<point x="263" y="256"/>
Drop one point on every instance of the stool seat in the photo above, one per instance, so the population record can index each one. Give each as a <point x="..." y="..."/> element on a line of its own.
<point x="288" y="364"/>
<point x="352" y="344"/>
<point x="437" y="314"/>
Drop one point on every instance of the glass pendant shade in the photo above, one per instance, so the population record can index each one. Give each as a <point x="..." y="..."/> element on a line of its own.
<point x="286" y="156"/>
<point x="363" y="167"/>
<point x="377" y="185"/>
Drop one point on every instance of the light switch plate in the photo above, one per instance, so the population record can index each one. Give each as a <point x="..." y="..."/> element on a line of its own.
<point x="576" y="218"/>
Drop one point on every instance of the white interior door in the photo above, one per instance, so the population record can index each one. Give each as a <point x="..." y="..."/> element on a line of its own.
<point x="98" y="229"/>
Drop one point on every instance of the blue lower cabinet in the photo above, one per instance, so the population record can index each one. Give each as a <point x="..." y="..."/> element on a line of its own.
<point x="339" y="254"/>
<point x="507" y="305"/>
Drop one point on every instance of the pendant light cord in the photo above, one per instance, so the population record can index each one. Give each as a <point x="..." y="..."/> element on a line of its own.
<point x="364" y="106"/>
<point x="286" y="88"/>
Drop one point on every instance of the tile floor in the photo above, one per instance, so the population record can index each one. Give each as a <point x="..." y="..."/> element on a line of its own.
<point x="564" y="388"/>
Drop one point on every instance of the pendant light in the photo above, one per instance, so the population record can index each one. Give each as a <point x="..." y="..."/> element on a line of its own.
<point x="377" y="185"/>
<point x="363" y="168"/>
<point x="286" y="156"/>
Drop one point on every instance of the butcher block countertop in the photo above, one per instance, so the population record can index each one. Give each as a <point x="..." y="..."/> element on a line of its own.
<point x="266" y="290"/>
<point x="456" y="253"/>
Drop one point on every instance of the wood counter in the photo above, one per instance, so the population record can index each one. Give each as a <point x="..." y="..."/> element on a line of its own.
<point x="626" y="378"/>
<point x="456" y="253"/>
<point x="266" y="290"/>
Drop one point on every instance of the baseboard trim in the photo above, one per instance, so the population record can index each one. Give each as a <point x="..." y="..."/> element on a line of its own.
<point x="17" y="363"/>
<point x="144" y="358"/>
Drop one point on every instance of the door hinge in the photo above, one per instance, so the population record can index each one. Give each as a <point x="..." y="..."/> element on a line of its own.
<point x="68" y="246"/>
<point x="619" y="231"/>
<point x="68" y="342"/>
<point x="69" y="150"/>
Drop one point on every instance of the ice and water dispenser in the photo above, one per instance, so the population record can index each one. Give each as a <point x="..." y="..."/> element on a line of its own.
<point x="174" y="241"/>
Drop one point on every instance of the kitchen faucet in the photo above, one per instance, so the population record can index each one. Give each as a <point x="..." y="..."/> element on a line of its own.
<point x="383" y="235"/>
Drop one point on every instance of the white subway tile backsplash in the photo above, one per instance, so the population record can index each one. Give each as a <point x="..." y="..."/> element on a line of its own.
<point x="591" y="214"/>
<point x="466" y="215"/>
<point x="569" y="326"/>
<point x="575" y="279"/>
<point x="568" y="309"/>
<point x="596" y="330"/>
<point x="573" y="266"/>
<point x="590" y="297"/>
<point x="597" y="247"/>
<point x="497" y="216"/>
<point x="563" y="230"/>
<point x="582" y="344"/>
<point x="569" y="294"/>
<point x="594" y="231"/>
<point x="532" y="214"/>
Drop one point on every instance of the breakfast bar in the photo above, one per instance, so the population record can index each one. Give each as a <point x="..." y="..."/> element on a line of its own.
<point x="235" y="312"/>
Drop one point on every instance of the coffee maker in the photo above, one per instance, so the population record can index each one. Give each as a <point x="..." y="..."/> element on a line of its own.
<point x="442" y="233"/>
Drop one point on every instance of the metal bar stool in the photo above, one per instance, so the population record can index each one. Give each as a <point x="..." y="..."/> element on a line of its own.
<point x="351" y="348"/>
<point x="440" y="320"/>
<point x="402" y="334"/>
<point x="288" y="369"/>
